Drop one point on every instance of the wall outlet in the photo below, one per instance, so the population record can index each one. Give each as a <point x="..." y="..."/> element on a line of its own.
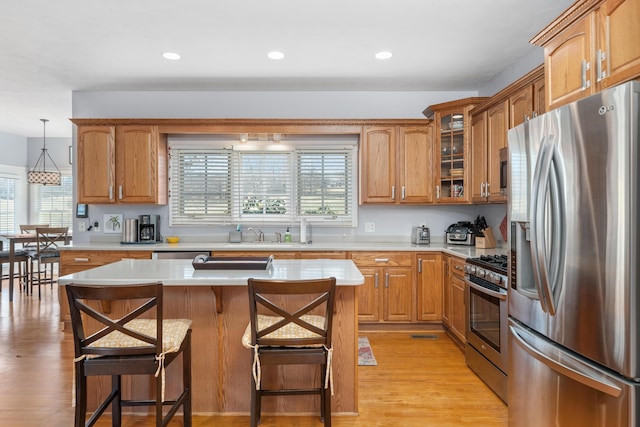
<point x="369" y="227"/>
<point x="96" y="226"/>
<point x="82" y="226"/>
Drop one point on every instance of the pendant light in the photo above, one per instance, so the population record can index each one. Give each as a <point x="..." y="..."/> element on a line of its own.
<point x="41" y="176"/>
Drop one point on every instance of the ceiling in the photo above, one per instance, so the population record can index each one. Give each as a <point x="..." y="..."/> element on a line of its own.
<point x="50" y="49"/>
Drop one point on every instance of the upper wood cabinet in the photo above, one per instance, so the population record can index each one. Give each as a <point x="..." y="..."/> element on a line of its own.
<point x="122" y="164"/>
<point x="591" y="46"/>
<point x="396" y="164"/>
<point x="490" y="122"/>
<point x="451" y="149"/>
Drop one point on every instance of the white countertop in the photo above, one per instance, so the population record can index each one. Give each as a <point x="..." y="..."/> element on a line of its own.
<point x="178" y="272"/>
<point x="458" y="250"/>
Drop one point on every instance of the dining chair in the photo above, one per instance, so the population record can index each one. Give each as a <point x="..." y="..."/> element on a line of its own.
<point x="132" y="339"/>
<point x="45" y="253"/>
<point x="22" y="258"/>
<point x="290" y="324"/>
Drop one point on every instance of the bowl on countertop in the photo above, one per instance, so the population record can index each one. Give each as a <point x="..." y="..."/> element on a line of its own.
<point x="173" y="239"/>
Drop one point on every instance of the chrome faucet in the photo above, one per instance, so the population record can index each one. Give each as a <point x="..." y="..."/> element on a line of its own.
<point x="257" y="232"/>
<point x="278" y="237"/>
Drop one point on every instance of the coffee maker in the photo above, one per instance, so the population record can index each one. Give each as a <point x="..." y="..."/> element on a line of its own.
<point x="149" y="228"/>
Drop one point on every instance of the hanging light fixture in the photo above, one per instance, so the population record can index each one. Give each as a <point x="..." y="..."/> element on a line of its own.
<point x="41" y="176"/>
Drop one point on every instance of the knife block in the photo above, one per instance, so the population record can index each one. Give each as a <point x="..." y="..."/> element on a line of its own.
<point x="488" y="241"/>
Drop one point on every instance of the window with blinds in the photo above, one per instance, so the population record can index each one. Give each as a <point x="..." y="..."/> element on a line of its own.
<point x="7" y="204"/>
<point x="263" y="184"/>
<point x="54" y="203"/>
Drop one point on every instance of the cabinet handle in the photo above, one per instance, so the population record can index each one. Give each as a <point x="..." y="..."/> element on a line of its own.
<point x="437" y="192"/>
<point x="420" y="266"/>
<point x="382" y="260"/>
<point x="403" y="193"/>
<point x="601" y="73"/>
<point x="375" y="281"/>
<point x="120" y="192"/>
<point x="393" y="192"/>
<point x="585" y="67"/>
<point x="111" y="192"/>
<point x="457" y="267"/>
<point x="386" y="280"/>
<point x="526" y="118"/>
<point x="486" y="189"/>
<point x="482" y="189"/>
<point x="81" y="259"/>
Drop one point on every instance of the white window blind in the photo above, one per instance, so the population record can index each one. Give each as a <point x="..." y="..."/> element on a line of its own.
<point x="200" y="186"/>
<point x="262" y="186"/>
<point x="325" y="183"/>
<point x="54" y="203"/>
<point x="217" y="183"/>
<point x="7" y="204"/>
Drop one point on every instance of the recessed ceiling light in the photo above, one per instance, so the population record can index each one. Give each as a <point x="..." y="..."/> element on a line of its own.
<point x="275" y="55"/>
<point x="384" y="55"/>
<point x="171" y="56"/>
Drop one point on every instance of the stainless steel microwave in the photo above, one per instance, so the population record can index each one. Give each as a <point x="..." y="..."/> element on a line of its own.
<point x="504" y="155"/>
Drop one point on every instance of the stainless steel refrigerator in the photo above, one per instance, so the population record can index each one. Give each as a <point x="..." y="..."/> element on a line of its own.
<point x="574" y="302"/>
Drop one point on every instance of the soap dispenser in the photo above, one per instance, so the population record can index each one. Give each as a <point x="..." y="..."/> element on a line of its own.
<point x="287" y="235"/>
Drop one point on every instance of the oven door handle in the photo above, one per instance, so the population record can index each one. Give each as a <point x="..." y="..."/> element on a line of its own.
<point x="502" y="294"/>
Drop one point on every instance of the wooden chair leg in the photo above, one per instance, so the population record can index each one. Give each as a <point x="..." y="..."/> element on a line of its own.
<point x="116" y="404"/>
<point x="81" y="397"/>
<point x="255" y="404"/>
<point x="186" y="379"/>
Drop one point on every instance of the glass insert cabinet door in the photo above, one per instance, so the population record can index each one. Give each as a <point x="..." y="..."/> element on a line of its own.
<point x="452" y="155"/>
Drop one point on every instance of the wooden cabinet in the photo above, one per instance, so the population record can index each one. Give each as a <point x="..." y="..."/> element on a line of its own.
<point x="122" y="164"/>
<point x="454" y="307"/>
<point x="323" y="255"/>
<point x="429" y="286"/>
<point x="592" y="46"/>
<point x="396" y="164"/>
<point x="387" y="294"/>
<point x="488" y="137"/>
<point x="490" y="122"/>
<point x="451" y="149"/>
<point x="74" y="261"/>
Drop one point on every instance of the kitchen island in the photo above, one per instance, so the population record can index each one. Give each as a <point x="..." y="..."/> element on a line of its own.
<point x="217" y="302"/>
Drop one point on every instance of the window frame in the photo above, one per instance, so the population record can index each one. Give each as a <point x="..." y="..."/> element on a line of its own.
<point x="344" y="144"/>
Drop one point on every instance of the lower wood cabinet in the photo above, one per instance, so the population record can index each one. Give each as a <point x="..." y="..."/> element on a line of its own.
<point x="387" y="294"/>
<point x="429" y="286"/>
<point x="454" y="316"/>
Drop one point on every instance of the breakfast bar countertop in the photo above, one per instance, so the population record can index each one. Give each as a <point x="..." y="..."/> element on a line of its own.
<point x="180" y="272"/>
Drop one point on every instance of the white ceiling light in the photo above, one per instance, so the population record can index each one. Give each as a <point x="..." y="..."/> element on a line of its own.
<point x="275" y="55"/>
<point x="384" y="55"/>
<point x="172" y="56"/>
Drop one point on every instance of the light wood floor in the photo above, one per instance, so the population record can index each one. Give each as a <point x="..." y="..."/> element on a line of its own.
<point x="417" y="383"/>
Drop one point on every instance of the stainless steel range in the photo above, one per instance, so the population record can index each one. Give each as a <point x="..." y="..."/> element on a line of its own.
<point x="487" y="320"/>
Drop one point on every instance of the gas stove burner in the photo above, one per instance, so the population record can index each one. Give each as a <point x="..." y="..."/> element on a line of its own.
<point x="497" y="260"/>
<point x="497" y="263"/>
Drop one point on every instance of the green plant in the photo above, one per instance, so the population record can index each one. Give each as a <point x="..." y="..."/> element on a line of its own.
<point x="114" y="222"/>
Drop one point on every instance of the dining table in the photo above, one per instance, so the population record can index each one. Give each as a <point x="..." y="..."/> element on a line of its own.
<point x="14" y="239"/>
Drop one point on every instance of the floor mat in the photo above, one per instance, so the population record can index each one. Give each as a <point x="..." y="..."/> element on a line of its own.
<point x="365" y="354"/>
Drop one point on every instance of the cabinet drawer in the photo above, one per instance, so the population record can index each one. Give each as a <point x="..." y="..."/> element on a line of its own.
<point x="456" y="266"/>
<point x="90" y="259"/>
<point x="383" y="259"/>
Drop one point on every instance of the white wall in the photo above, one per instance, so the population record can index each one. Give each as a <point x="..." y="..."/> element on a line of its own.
<point x="13" y="149"/>
<point x="513" y="73"/>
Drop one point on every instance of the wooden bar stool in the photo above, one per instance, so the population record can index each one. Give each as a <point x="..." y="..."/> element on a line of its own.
<point x="290" y="324"/>
<point x="132" y="344"/>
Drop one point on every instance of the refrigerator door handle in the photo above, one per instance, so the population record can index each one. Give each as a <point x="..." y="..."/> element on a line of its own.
<point x="563" y="363"/>
<point x="536" y="216"/>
